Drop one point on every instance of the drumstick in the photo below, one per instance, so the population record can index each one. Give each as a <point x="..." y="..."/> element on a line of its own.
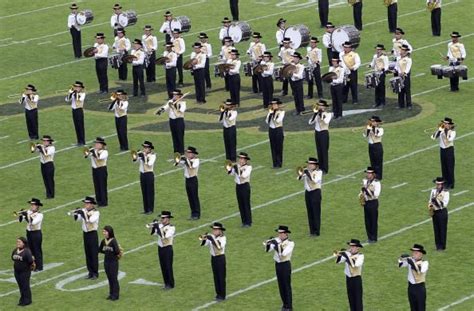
<point x="442" y="55"/>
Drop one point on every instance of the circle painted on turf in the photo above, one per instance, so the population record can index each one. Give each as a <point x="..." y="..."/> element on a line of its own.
<point x="60" y="285"/>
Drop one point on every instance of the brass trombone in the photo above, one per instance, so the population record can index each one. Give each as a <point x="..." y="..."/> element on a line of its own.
<point x="21" y="212"/>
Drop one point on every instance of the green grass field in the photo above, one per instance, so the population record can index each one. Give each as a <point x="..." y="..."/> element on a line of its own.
<point x="34" y="50"/>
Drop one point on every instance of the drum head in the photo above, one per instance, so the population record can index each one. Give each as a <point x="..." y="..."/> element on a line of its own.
<point x="328" y="77"/>
<point x="89" y="52"/>
<point x="176" y="24"/>
<point x="240" y="31"/>
<point x="343" y="34"/>
<point x="299" y="36"/>
<point x="123" y="20"/>
<point x="81" y="18"/>
<point x="183" y="23"/>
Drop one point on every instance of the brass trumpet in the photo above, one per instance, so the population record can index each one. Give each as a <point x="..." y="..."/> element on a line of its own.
<point x="300" y="171"/>
<point x="74" y="211"/>
<point x="314" y="109"/>
<point x="152" y="224"/>
<point x="21" y="212"/>
<point x="177" y="158"/>
<point x="269" y="241"/>
<point x="135" y="154"/>
<point x="113" y="97"/>
<point x="338" y="253"/>
<point x="33" y="147"/>
<point x="228" y="164"/>
<point x="203" y="237"/>
<point x="87" y="151"/>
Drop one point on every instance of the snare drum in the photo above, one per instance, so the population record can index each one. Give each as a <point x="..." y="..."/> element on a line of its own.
<point x="85" y="17"/>
<point x="437" y="70"/>
<point x="397" y="84"/>
<point x="448" y="71"/>
<point x="217" y="73"/>
<point x="276" y="73"/>
<point x="183" y="23"/>
<point x="370" y="81"/>
<point x="248" y="71"/>
<point x="308" y="74"/>
<point x="299" y="35"/>
<point x="240" y="31"/>
<point x="127" y="18"/>
<point x="115" y="61"/>
<point x="461" y="71"/>
<point x="345" y="33"/>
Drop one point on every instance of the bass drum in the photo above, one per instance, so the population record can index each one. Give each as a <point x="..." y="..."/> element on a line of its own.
<point x="85" y="17"/>
<point x="183" y="23"/>
<point x="128" y="18"/>
<point x="345" y="33"/>
<point x="299" y="35"/>
<point x="240" y="31"/>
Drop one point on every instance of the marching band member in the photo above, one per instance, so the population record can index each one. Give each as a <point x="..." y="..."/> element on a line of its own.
<point x="146" y="160"/>
<point x="234" y="77"/>
<point x="234" y="9"/>
<point x="228" y="118"/>
<point x="206" y="49"/>
<point x="150" y="46"/>
<point x="34" y="218"/>
<point x="179" y="48"/>
<point x="22" y="264"/>
<point x="285" y="56"/>
<point x="438" y="206"/>
<point x="417" y="269"/>
<point x="30" y="99"/>
<point x="357" y="13"/>
<point x="296" y="82"/>
<point x="121" y="46"/>
<point x="217" y="242"/>
<point x="224" y="56"/>
<point x="313" y="178"/>
<point x="176" y="108"/>
<point x="380" y="65"/>
<point x="199" y="75"/>
<point x="280" y="33"/>
<point x="321" y="120"/>
<point x="350" y="62"/>
<point x="267" y="78"/>
<point x="99" y="156"/>
<point x="374" y="134"/>
<point x="398" y="41"/>
<point x="119" y="106"/>
<point x="46" y="151"/>
<point x="328" y="43"/>
<point x="314" y="57"/>
<point x="323" y="9"/>
<point x="114" y="19"/>
<point x="403" y="69"/>
<point x="241" y="172"/>
<point x="101" y="54"/>
<point x="282" y="247"/>
<point x="75" y="30"/>
<point x="166" y="26"/>
<point x="255" y="51"/>
<point x="137" y="67"/>
<point x="170" y="68"/>
<point x="89" y="218"/>
<point x="456" y="55"/>
<point x="353" y="268"/>
<point x="165" y="231"/>
<point x="392" y="9"/>
<point x="112" y="253"/>
<point x="370" y="190"/>
<point x="190" y="163"/>
<point x="336" y="87"/>
<point x="276" y="136"/>
<point x="446" y="135"/>
<point x="76" y="96"/>
<point x="435" y="7"/>
<point x="224" y="31"/>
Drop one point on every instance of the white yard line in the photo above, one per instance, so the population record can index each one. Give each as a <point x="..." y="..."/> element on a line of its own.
<point x="42" y="43"/>
<point x="64" y="44"/>
<point x="122" y="152"/>
<point x="426" y="190"/>
<point x="6" y="39"/>
<point x="399" y="185"/>
<point x="283" y="172"/>
<point x="460" y="192"/>
<point x="446" y="307"/>
<point x="22" y="141"/>
<point x="3" y="137"/>
<point x="38" y="10"/>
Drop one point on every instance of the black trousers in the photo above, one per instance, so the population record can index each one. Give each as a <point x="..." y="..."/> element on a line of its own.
<point x="256" y="83"/>
<point x="151" y="69"/>
<point x="192" y="190"/>
<point x="267" y="90"/>
<point x="392" y="17"/>
<point x="336" y="96"/>
<point x="447" y="165"/>
<point x="353" y="86"/>
<point x="218" y="264"/>
<point x="371" y="215"/>
<point x="417" y="296"/>
<point x="99" y="177"/>
<point x="179" y="67"/>
<point x="380" y="91"/>
<point x="330" y="53"/>
<point x="321" y="138"/>
<point x="440" y="228"/>
<point x="121" y="127"/>
<point x="23" y="280"/>
<point x="138" y="78"/>
<point x="404" y="97"/>
<point x="234" y="9"/>
<point x="76" y="42"/>
<point x="199" y="76"/>
<point x="78" y="120"/>
<point x="376" y="159"/>
<point x="35" y="242"/>
<point x="313" y="209"/>
<point x="91" y="249"/>
<point x="284" y="86"/>
<point x="147" y="183"/>
<point x="354" y="292"/>
<point x="243" y="192"/>
<point x="323" y="8"/>
<point x="170" y="81"/>
<point x="165" y="254"/>
<point x="316" y="80"/>
<point x="298" y="94"/>
<point x="283" y="273"/>
<point x="207" y="74"/>
<point x="123" y="71"/>
<point x="32" y="123"/>
<point x="230" y="143"/>
<point x="47" y="171"/>
<point x="226" y="82"/>
<point x="101" y="71"/>
<point x="436" y="22"/>
<point x="276" y="137"/>
<point x="357" y="13"/>
<point x="177" y="134"/>
<point x="111" y="268"/>
<point x="234" y="88"/>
